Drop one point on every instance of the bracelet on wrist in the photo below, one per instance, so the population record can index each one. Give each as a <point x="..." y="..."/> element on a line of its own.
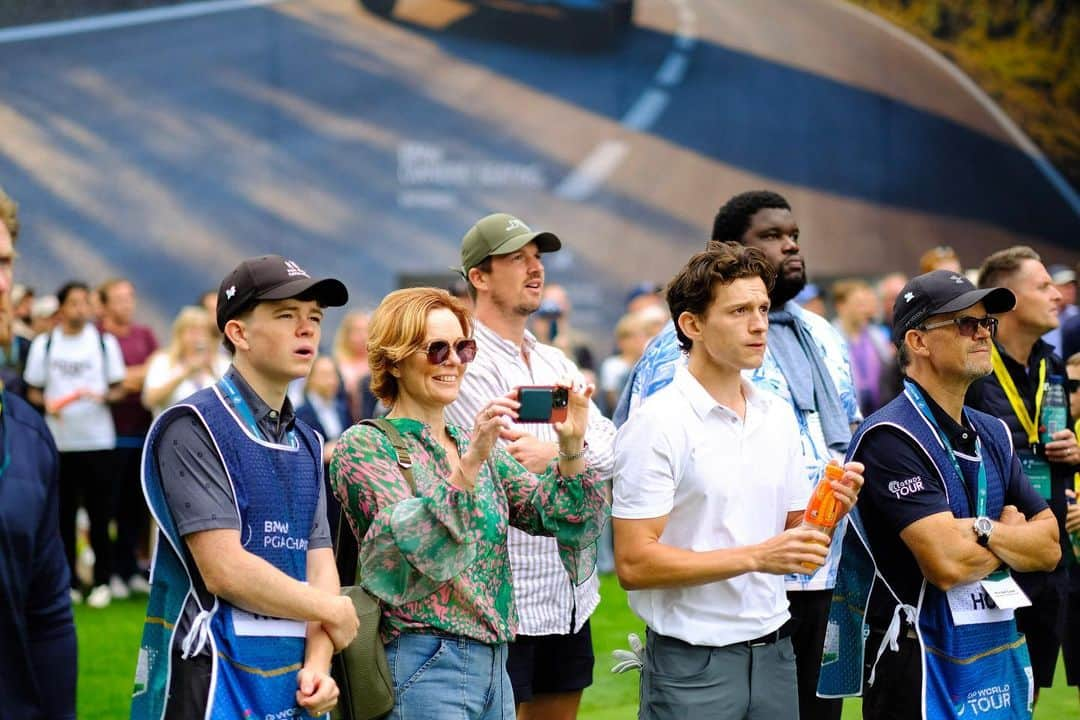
<point x="563" y="455"/>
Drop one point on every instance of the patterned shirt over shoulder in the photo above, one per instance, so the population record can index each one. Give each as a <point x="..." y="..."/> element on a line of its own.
<point x="438" y="559"/>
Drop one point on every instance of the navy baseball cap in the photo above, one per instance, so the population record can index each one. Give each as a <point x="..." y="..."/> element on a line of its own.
<point x="943" y="291"/>
<point x="272" y="277"/>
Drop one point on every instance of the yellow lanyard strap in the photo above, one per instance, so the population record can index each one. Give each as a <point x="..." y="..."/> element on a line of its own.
<point x="1028" y="422"/>
<point x="1076" y="476"/>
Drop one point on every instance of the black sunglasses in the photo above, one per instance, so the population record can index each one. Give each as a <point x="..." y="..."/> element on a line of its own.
<point x="438" y="352"/>
<point x="1072" y="385"/>
<point x="967" y="325"/>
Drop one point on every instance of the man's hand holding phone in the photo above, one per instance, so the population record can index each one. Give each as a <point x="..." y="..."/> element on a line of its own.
<point x="564" y="405"/>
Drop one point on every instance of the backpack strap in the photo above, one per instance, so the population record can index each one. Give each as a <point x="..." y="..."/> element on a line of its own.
<point x="104" y="353"/>
<point x="346" y="550"/>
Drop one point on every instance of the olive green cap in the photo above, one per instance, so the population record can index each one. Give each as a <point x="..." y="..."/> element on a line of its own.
<point x="500" y="234"/>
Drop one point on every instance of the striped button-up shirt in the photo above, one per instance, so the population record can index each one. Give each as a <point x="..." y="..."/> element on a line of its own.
<point x="547" y="601"/>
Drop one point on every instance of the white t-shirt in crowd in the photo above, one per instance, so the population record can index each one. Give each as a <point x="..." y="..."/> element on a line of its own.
<point x="723" y="483"/>
<point x="77" y="362"/>
<point x="161" y="369"/>
<point x="613" y="373"/>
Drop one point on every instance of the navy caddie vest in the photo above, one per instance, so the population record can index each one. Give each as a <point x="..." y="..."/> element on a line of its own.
<point x="255" y="659"/>
<point x="970" y="668"/>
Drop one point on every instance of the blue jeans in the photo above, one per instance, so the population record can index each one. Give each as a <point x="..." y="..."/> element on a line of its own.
<point x="445" y="677"/>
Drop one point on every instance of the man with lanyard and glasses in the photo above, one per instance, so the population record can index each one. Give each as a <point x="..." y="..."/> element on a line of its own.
<point x="946" y="513"/>
<point x="244" y="609"/>
<point x="1015" y="392"/>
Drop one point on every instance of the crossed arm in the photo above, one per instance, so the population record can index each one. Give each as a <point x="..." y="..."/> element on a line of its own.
<point x="948" y="554"/>
<point x="249" y="582"/>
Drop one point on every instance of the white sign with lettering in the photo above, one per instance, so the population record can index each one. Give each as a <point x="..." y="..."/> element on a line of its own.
<point x="251" y="625"/>
<point x="971" y="604"/>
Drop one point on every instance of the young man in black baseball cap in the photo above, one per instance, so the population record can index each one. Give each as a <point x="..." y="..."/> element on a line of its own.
<point x="946" y="514"/>
<point x="245" y="610"/>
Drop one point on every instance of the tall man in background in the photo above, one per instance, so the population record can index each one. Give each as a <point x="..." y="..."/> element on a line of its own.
<point x="1023" y="364"/>
<point x="551" y="661"/>
<point x="806" y="364"/>
<point x="132" y="420"/>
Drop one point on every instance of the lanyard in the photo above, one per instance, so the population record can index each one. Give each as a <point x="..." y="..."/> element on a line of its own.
<point x="920" y="403"/>
<point x="1076" y="475"/>
<point x="1030" y="423"/>
<point x="244" y="410"/>
<point x="3" y="431"/>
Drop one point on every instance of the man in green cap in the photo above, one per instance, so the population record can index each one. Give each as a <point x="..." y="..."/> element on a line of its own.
<point x="551" y="660"/>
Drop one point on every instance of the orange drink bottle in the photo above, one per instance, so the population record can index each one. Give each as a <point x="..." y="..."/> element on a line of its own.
<point x="823" y="511"/>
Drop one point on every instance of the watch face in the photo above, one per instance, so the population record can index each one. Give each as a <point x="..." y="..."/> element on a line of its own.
<point x="983" y="525"/>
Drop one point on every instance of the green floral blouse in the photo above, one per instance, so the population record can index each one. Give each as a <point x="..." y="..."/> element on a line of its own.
<point x="438" y="560"/>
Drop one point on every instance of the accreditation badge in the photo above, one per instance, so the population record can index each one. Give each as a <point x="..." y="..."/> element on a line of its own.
<point x="252" y="625"/>
<point x="989" y="600"/>
<point x="1038" y="472"/>
<point x="1005" y="591"/>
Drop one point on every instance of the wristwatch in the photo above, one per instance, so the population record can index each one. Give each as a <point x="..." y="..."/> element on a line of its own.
<point x="983" y="527"/>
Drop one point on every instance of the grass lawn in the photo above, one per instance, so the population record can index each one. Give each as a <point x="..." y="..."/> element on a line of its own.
<point x="109" y="639"/>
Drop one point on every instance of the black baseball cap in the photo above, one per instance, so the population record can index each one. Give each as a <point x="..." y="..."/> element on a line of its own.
<point x="272" y="277"/>
<point x="943" y="291"/>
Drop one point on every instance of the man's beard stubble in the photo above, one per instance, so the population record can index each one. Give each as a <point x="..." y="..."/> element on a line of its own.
<point x="786" y="287"/>
<point x="508" y="308"/>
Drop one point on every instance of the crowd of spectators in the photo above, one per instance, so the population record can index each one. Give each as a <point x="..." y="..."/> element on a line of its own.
<point x="99" y="378"/>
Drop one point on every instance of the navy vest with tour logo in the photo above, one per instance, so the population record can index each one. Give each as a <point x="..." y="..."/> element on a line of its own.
<point x="974" y="661"/>
<point x="255" y="659"/>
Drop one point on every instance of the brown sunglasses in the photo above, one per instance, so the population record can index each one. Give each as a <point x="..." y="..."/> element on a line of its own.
<point x="968" y="325"/>
<point x="438" y="352"/>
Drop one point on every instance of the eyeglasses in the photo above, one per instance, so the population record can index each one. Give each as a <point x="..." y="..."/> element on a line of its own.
<point x="1072" y="385"/>
<point x="967" y="325"/>
<point x="438" y="352"/>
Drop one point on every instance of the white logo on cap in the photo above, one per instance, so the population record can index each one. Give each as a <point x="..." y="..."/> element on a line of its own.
<point x="516" y="224"/>
<point x="295" y="270"/>
<point x="957" y="279"/>
<point x="908" y="297"/>
<point x="230" y="292"/>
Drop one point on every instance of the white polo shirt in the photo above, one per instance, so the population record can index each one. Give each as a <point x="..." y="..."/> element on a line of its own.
<point x="723" y="483"/>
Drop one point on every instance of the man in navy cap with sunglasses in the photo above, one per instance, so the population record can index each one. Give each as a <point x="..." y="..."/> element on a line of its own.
<point x="245" y="608"/>
<point x="946" y="515"/>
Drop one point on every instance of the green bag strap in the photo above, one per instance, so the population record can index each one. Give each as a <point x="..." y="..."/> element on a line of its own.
<point x="346" y="552"/>
<point x="404" y="459"/>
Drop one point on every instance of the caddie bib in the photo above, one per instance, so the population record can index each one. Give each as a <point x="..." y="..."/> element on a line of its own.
<point x="276" y="490"/>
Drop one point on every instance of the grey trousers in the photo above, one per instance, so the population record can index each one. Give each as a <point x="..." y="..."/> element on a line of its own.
<point x="690" y="682"/>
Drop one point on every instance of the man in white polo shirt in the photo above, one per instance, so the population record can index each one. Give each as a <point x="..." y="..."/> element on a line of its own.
<point x="709" y="493"/>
